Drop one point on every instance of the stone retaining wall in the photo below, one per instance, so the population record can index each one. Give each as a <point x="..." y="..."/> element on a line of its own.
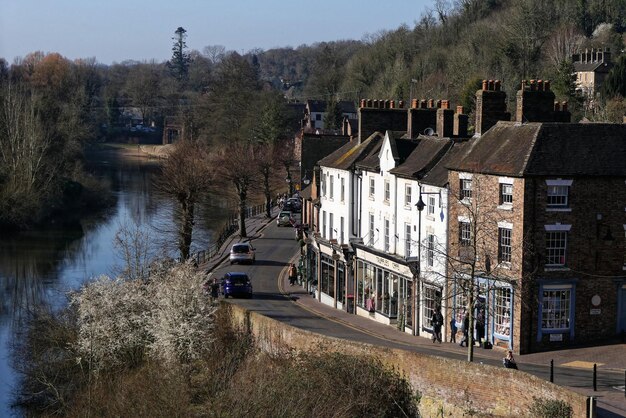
<point x="449" y="388"/>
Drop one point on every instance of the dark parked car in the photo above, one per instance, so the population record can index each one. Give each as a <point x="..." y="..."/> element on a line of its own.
<point x="236" y="284"/>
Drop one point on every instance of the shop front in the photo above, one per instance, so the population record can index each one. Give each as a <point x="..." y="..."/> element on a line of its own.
<point x="384" y="289"/>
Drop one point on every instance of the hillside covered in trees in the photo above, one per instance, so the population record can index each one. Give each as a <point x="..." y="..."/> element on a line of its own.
<point x="219" y="96"/>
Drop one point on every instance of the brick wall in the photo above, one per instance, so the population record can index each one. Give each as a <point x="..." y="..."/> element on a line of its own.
<point x="452" y="386"/>
<point x="597" y="205"/>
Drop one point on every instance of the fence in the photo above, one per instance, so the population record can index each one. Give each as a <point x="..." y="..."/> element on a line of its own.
<point x="231" y="226"/>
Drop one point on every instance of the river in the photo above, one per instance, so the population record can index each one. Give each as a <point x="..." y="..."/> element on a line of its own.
<point x="40" y="267"/>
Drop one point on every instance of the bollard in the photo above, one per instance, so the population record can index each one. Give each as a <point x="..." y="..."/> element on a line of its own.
<point x="551" y="371"/>
<point x="624" y="383"/>
<point x="595" y="377"/>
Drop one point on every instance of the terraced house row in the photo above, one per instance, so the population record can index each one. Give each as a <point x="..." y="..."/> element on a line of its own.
<point x="523" y="223"/>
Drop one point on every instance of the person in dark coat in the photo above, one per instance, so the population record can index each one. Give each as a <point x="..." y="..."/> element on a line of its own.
<point x="453" y="330"/>
<point x="480" y="327"/>
<point x="437" y="321"/>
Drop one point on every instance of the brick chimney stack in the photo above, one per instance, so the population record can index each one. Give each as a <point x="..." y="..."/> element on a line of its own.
<point x="490" y="106"/>
<point x="422" y="117"/>
<point x="445" y="120"/>
<point x="459" y="129"/>
<point x="535" y="103"/>
<point x="380" y="115"/>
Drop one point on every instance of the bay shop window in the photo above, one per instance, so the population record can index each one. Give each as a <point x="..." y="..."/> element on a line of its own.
<point x="382" y="291"/>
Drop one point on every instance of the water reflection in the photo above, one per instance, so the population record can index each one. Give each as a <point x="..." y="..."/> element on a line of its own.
<point x="41" y="267"/>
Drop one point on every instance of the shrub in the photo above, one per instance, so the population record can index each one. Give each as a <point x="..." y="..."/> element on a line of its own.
<point x="550" y="408"/>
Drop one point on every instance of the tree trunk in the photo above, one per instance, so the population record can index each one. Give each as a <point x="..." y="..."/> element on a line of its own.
<point x="186" y="229"/>
<point x="242" y="215"/>
<point x="470" y="331"/>
<point x="268" y="195"/>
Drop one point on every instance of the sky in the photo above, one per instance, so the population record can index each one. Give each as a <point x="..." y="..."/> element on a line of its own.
<point x="119" y="30"/>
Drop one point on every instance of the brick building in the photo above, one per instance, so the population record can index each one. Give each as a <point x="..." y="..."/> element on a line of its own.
<point x="538" y="210"/>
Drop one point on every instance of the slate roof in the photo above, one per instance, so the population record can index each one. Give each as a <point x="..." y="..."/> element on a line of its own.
<point x="347" y="155"/>
<point x="602" y="67"/>
<point x="548" y="149"/>
<point x="425" y="153"/>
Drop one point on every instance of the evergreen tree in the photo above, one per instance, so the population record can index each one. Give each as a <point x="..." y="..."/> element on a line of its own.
<point x="333" y="116"/>
<point x="179" y="64"/>
<point x="615" y="83"/>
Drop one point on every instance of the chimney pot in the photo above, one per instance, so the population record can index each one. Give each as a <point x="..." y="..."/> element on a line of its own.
<point x="557" y="106"/>
<point x="546" y="85"/>
<point x="363" y="103"/>
<point x="413" y="103"/>
<point x="401" y="104"/>
<point x="523" y="86"/>
<point x="533" y="85"/>
<point x="423" y="104"/>
<point x="491" y="86"/>
<point x="375" y="103"/>
<point x="445" y="104"/>
<point x="431" y="103"/>
<point x="438" y="104"/>
<point x="498" y="85"/>
<point x="459" y="110"/>
<point x="539" y="85"/>
<point x="369" y="103"/>
<point x="484" y="85"/>
<point x="392" y="104"/>
<point x="386" y="104"/>
<point x="564" y="106"/>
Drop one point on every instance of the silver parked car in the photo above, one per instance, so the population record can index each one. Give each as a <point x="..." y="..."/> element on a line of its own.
<point x="284" y="218"/>
<point x="242" y="252"/>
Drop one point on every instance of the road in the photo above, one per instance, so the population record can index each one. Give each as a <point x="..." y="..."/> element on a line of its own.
<point x="276" y="245"/>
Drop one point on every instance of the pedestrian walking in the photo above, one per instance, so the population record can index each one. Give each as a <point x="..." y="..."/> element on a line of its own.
<point x="453" y="330"/>
<point x="293" y="274"/>
<point x="436" y="322"/>
<point x="465" y="330"/>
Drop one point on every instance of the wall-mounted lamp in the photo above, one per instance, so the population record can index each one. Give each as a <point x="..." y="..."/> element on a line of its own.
<point x="335" y="255"/>
<point x="305" y="180"/>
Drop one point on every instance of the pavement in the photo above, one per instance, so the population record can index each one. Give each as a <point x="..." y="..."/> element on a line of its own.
<point x="609" y="359"/>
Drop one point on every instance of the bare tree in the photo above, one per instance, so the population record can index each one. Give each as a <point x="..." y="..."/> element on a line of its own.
<point x="132" y="243"/>
<point x="235" y="165"/>
<point x="186" y="176"/>
<point x="563" y="43"/>
<point x="267" y="164"/>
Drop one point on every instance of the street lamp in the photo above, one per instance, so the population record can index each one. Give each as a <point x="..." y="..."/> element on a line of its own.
<point x="290" y="184"/>
<point x="305" y="179"/>
<point x="420" y="205"/>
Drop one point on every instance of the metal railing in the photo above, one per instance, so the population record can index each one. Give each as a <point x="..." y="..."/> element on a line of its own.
<point x="230" y="227"/>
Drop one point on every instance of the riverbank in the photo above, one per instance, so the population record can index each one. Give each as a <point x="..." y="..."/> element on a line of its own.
<point x="125" y="152"/>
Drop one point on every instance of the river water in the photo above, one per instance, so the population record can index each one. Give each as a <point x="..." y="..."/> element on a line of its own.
<point x="40" y="267"/>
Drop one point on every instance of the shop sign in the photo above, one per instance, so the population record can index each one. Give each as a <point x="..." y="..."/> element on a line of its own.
<point x="595" y="311"/>
<point x="556" y="337"/>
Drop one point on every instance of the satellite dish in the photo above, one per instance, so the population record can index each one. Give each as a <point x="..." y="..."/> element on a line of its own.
<point x="429" y="131"/>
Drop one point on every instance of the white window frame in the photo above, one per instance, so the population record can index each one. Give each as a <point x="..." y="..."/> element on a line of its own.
<point x="553" y="307"/>
<point x="502" y="311"/>
<point x="505" y="245"/>
<point x="341" y="223"/>
<point x="324" y="223"/>
<point x="372" y="229"/>
<point x="330" y="225"/>
<point x="506" y="194"/>
<point x="465" y="189"/>
<point x="558" y="189"/>
<point x="407" y="239"/>
<point x="331" y="187"/>
<point x="343" y="189"/>
<point x="430" y="207"/>
<point x="430" y="250"/>
<point x="387" y="191"/>
<point x="556" y="251"/>
<point x="465" y="233"/>
<point x="407" y="195"/>
<point x="372" y="188"/>
<point x="387" y="245"/>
